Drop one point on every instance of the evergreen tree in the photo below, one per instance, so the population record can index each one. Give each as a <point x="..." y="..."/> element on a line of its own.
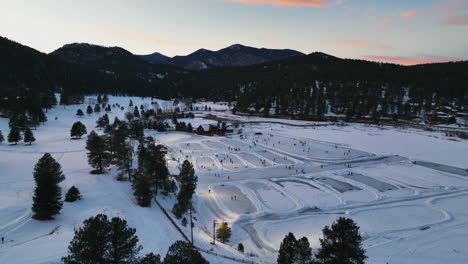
<point x="79" y="113"/>
<point x="304" y="252"/>
<point x="287" y="253"/>
<point x="102" y="121"/>
<point x="2" y="138"/>
<point x="97" y="108"/>
<point x="152" y="164"/>
<point x="189" y="128"/>
<point x="150" y="258"/>
<point x="136" y="113"/>
<point x="341" y="243"/>
<point x="98" y="156"/>
<point x="240" y="247"/>
<point x="15" y="135"/>
<point x="104" y="242"/>
<point x="188" y="184"/>
<point x="123" y="246"/>
<point x="89" y="110"/>
<point x="182" y="252"/>
<point x="142" y="190"/>
<point x="29" y="136"/>
<point x="223" y="233"/>
<point x="47" y="194"/>
<point x="72" y="195"/>
<point x="78" y="130"/>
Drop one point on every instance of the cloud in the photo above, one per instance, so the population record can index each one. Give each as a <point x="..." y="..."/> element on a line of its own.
<point x="411" y="60"/>
<point x="461" y="20"/>
<point x="296" y="3"/>
<point x="409" y="14"/>
<point x="126" y="34"/>
<point x="385" y="22"/>
<point x="365" y="44"/>
<point x="449" y="6"/>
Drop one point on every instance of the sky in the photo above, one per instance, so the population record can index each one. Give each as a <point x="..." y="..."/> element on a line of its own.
<point x="401" y="31"/>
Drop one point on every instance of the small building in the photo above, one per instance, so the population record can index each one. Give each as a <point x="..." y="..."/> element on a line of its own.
<point x="207" y="129"/>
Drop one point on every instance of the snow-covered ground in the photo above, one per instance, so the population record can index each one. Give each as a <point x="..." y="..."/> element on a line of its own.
<point x="272" y="179"/>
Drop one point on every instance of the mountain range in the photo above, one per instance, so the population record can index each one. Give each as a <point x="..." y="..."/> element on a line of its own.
<point x="291" y="82"/>
<point x="232" y="56"/>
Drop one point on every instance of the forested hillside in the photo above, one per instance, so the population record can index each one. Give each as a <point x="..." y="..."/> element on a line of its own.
<point x="312" y="85"/>
<point x="304" y="86"/>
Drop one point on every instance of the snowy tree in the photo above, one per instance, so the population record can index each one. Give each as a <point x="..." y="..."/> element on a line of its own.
<point x="142" y="190"/>
<point x="102" y="121"/>
<point x="79" y="113"/>
<point x="341" y="243"/>
<point x="188" y="184"/>
<point x="15" y="135"/>
<point x="72" y="195"/>
<point x="287" y="253"/>
<point x="182" y="252"/>
<point x="98" y="156"/>
<point x="47" y="194"/>
<point x="97" y="108"/>
<point x="150" y="258"/>
<point x="103" y="241"/>
<point x="77" y="130"/>
<point x="2" y="138"/>
<point x="29" y="136"/>
<point x="89" y="110"/>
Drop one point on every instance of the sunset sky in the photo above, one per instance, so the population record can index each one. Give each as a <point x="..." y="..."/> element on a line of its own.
<point x="400" y="31"/>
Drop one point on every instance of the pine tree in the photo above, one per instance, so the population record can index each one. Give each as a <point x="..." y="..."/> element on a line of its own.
<point x="47" y="194"/>
<point x="123" y="246"/>
<point x="136" y="113"/>
<point x="103" y="241"/>
<point x="77" y="130"/>
<point x="182" y="252"/>
<point x="72" y="195"/>
<point x="79" y="113"/>
<point x="102" y="121"/>
<point x="240" y="247"/>
<point x="189" y="128"/>
<point x="29" y="136"/>
<point x="341" y="243"/>
<point x="188" y="184"/>
<point x="150" y="258"/>
<point x="2" y="138"/>
<point x="98" y="156"/>
<point x="89" y="110"/>
<point x="223" y="233"/>
<point x="142" y="190"/>
<point x="14" y="136"/>
<point x="97" y="108"/>
<point x="287" y="253"/>
<point x="304" y="252"/>
<point x="152" y="164"/>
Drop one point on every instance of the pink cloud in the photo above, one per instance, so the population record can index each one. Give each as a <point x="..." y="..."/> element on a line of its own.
<point x="310" y="3"/>
<point x="447" y="7"/>
<point x="409" y="14"/>
<point x="365" y="44"/>
<point x="408" y="61"/>
<point x="461" y="20"/>
<point x="385" y="22"/>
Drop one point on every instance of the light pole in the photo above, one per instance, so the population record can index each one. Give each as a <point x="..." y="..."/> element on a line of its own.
<point x="191" y="224"/>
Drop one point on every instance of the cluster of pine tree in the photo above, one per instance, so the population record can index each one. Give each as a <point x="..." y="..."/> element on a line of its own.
<point x="15" y="136"/>
<point x="184" y="127"/>
<point x="341" y="243"/>
<point x="152" y="175"/>
<point x="188" y="184"/>
<point x="109" y="241"/>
